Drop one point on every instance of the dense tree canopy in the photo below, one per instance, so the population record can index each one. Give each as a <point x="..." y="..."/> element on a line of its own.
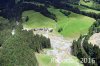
<point x="16" y="52"/>
<point x="82" y="49"/>
<point x="18" y="49"/>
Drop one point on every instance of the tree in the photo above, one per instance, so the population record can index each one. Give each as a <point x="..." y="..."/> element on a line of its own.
<point x="4" y="23"/>
<point x="16" y="51"/>
<point x="60" y="29"/>
<point x="27" y="18"/>
<point x="39" y="42"/>
<point x="4" y="35"/>
<point x="96" y="54"/>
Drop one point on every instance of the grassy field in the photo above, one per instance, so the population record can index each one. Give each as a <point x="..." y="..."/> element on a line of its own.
<point x="45" y="60"/>
<point x="37" y="20"/>
<point x="72" y="25"/>
<point x="86" y="9"/>
<point x="90" y="4"/>
<point x="72" y="62"/>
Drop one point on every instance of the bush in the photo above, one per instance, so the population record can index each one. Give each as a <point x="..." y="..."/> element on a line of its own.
<point x="66" y="13"/>
<point x="60" y="29"/>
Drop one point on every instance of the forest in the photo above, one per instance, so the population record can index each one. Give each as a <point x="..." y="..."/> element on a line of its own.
<point x="18" y="46"/>
<point x="88" y="50"/>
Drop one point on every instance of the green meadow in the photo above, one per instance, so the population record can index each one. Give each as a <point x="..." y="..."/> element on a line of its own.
<point x="37" y="20"/>
<point x="90" y="4"/>
<point x="72" y="25"/>
<point x="46" y="60"/>
<point x="82" y="8"/>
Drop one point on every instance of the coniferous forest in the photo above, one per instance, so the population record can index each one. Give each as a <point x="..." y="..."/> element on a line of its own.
<point x="33" y="32"/>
